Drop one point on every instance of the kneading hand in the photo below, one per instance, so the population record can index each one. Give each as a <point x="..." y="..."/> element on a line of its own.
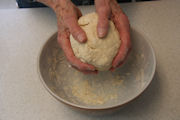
<point x="67" y="15"/>
<point x="109" y="9"/>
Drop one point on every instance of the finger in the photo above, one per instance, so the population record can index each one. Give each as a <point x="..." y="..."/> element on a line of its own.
<point x="121" y="63"/>
<point x="86" y="71"/>
<point x="123" y="51"/>
<point x="103" y="11"/>
<point x="103" y="25"/>
<point x="90" y="72"/>
<point x="113" y="68"/>
<point x="63" y="40"/>
<point x="76" y="31"/>
<point x="122" y="25"/>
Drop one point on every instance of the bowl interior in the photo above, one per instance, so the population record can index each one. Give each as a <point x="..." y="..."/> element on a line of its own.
<point x="104" y="90"/>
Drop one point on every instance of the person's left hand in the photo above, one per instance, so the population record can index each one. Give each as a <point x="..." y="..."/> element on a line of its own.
<point x="67" y="18"/>
<point x="109" y="9"/>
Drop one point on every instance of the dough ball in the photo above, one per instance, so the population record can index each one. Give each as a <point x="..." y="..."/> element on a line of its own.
<point x="98" y="52"/>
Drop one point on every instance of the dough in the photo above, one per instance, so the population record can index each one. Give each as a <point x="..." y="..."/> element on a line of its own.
<point x="97" y="52"/>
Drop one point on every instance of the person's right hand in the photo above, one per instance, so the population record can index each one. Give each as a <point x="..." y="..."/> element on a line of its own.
<point x="68" y="15"/>
<point x="67" y="18"/>
<point x="110" y="9"/>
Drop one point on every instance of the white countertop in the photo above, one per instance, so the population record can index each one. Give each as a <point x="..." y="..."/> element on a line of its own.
<point x="24" y="31"/>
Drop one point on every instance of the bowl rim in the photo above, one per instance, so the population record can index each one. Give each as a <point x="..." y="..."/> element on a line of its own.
<point x="93" y="107"/>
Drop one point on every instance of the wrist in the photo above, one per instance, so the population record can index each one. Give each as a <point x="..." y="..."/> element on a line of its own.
<point x="54" y="4"/>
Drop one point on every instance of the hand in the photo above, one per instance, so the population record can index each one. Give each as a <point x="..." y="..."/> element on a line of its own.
<point x="67" y="15"/>
<point x="109" y="9"/>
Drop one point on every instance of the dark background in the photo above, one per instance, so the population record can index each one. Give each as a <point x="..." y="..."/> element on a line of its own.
<point x="30" y="3"/>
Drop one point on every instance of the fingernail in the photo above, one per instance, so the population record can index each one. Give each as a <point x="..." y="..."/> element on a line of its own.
<point x="101" y="32"/>
<point x="81" y="38"/>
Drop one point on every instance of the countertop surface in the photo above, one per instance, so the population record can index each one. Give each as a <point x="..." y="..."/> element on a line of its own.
<point x="23" y="32"/>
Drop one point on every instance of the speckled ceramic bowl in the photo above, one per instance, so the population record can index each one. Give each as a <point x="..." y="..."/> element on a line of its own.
<point x="105" y="90"/>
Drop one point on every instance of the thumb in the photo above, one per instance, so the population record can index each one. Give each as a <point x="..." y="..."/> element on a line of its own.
<point x="76" y="31"/>
<point x="103" y="11"/>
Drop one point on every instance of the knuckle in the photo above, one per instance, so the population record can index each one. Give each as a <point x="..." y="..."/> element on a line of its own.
<point x="75" y="32"/>
<point x="103" y="22"/>
<point x="68" y="17"/>
<point x="72" y="29"/>
<point x="70" y="20"/>
<point x="103" y="25"/>
<point x="104" y="10"/>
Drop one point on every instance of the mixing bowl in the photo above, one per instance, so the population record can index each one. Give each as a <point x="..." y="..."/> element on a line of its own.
<point x="104" y="90"/>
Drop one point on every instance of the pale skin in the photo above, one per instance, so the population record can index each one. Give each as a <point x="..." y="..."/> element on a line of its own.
<point x="67" y="16"/>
